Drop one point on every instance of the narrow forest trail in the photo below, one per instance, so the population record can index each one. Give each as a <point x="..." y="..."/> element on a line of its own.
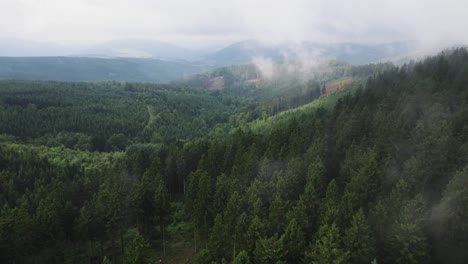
<point x="152" y="117"/>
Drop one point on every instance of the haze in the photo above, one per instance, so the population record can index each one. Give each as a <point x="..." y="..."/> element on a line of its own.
<point x="214" y="23"/>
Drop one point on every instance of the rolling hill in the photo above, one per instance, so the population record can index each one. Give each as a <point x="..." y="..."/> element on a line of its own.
<point x="153" y="61"/>
<point x="251" y="50"/>
<point x="93" y="69"/>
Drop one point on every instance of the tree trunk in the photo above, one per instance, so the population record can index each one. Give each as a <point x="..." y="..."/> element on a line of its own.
<point x="102" y="248"/>
<point x="205" y="227"/>
<point x="164" y="242"/>
<point x="234" y="251"/>
<point x="184" y="185"/>
<point x="122" y="246"/>
<point x="113" y="252"/>
<point x="195" y="239"/>
<point x="90" y="250"/>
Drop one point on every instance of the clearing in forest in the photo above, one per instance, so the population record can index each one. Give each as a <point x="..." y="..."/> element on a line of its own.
<point x="332" y="86"/>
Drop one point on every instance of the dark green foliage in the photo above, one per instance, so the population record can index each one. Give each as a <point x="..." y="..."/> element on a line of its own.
<point x="359" y="240"/>
<point x="330" y="208"/>
<point x="408" y="240"/>
<point x="378" y="176"/>
<point x="449" y="218"/>
<point x="293" y="242"/>
<point x="216" y="246"/>
<point x="109" y="115"/>
<point x="287" y="86"/>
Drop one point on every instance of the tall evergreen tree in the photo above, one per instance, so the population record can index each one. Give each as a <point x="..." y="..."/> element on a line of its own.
<point x="327" y="247"/>
<point x="359" y="240"/>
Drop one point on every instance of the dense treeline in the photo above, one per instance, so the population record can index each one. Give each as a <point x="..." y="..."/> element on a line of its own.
<point x="109" y="115"/>
<point x="381" y="177"/>
<point x="281" y="86"/>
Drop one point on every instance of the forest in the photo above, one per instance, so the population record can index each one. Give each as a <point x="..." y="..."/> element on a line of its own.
<point x="117" y="172"/>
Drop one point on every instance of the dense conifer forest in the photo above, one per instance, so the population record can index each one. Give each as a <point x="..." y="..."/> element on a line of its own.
<point x="113" y="172"/>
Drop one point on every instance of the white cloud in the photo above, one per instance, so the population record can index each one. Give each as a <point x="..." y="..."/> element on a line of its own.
<point x="214" y="22"/>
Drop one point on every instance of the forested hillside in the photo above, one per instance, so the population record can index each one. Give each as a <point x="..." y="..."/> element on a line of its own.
<point x="278" y="87"/>
<point x="94" y="69"/>
<point x="107" y="116"/>
<point x="135" y="60"/>
<point x="377" y="173"/>
<point x="355" y="53"/>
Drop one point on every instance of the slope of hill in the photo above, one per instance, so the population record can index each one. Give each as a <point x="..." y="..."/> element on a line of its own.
<point x="248" y="51"/>
<point x="123" y="59"/>
<point x="93" y="69"/>
<point x="376" y="174"/>
<point x="325" y="101"/>
<point x="277" y="87"/>
<point x="91" y="113"/>
<point x="142" y="48"/>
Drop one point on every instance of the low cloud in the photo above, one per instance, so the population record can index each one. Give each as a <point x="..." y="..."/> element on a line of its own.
<point x="265" y="66"/>
<point x="205" y="23"/>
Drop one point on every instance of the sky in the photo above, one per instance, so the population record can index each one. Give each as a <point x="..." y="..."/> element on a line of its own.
<point x="208" y="23"/>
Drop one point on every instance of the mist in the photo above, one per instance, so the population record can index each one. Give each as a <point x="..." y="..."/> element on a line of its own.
<point x="210" y="23"/>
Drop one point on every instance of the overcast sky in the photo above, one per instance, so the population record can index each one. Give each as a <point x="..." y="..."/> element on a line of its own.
<point x="203" y="23"/>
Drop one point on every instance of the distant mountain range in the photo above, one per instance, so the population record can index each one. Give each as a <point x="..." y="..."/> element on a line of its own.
<point x="93" y="69"/>
<point x="154" y="61"/>
<point x="142" y="49"/>
<point x="247" y="51"/>
<point x="134" y="48"/>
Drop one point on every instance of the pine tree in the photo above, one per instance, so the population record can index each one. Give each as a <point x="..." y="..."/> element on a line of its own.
<point x="216" y="246"/>
<point x="137" y="251"/>
<point x="359" y="240"/>
<point x="232" y="214"/>
<point x="198" y="203"/>
<point x="269" y="250"/>
<point x="408" y="242"/>
<point x="162" y="207"/>
<point x="293" y="242"/>
<point x="242" y="258"/>
<point x="327" y="247"/>
<point x="255" y="231"/>
<point x="330" y="208"/>
<point x="449" y="219"/>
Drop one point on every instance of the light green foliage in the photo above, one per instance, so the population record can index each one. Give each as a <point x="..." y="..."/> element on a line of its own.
<point x="293" y="242"/>
<point x="408" y="240"/>
<point x="105" y="260"/>
<point x="326" y="102"/>
<point x="327" y="247"/>
<point x="330" y="208"/>
<point x="242" y="258"/>
<point x="137" y="251"/>
<point x="359" y="240"/>
<point x="254" y="233"/>
<point x="269" y="250"/>
<point x="216" y="246"/>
